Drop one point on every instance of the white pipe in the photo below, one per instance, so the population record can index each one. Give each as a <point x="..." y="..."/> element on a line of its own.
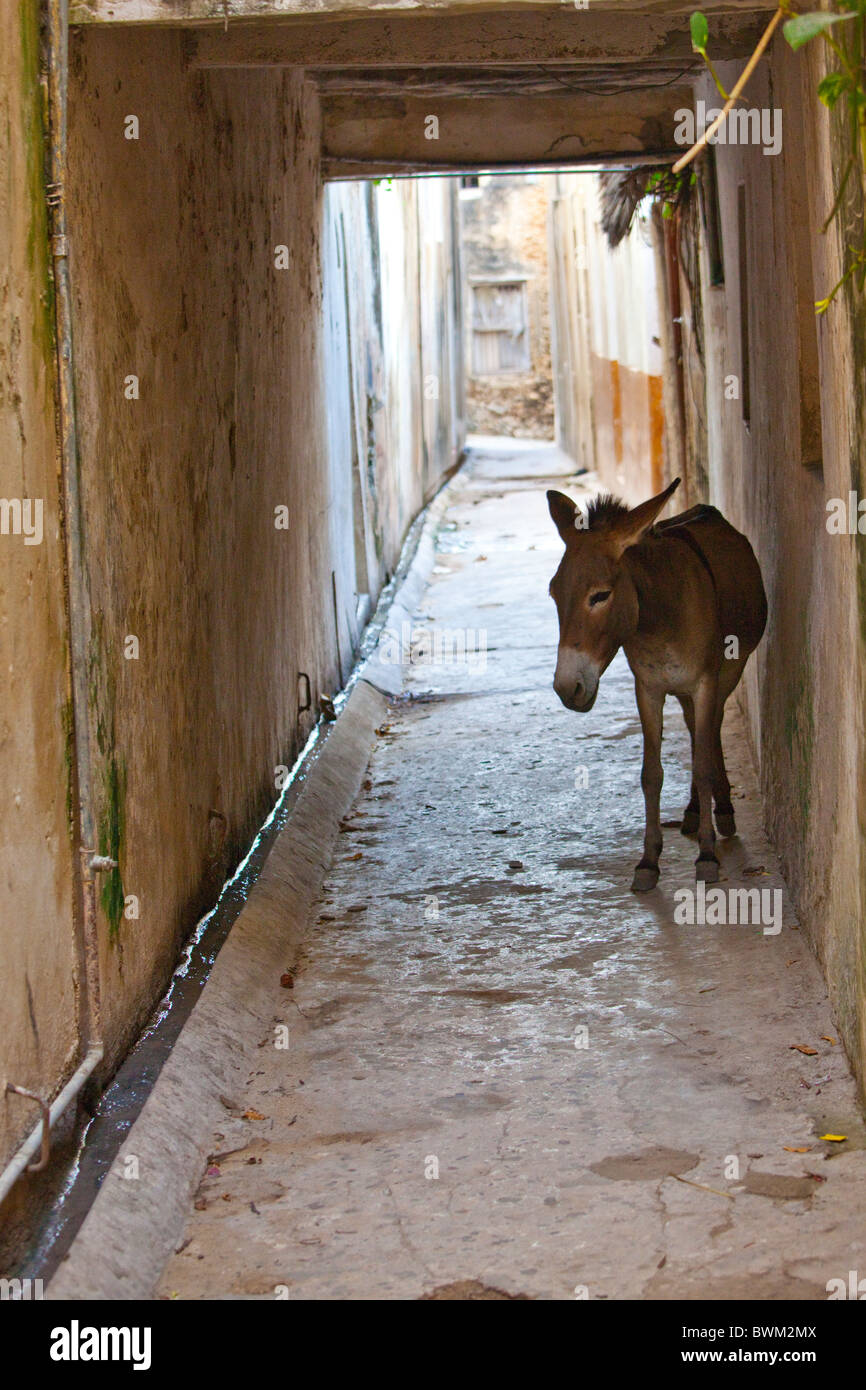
<point x="13" y="1170"/>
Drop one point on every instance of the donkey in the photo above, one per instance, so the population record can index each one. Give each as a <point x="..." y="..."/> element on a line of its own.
<point x="685" y="600"/>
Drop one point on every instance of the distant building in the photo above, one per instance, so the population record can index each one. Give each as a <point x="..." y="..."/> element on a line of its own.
<point x="507" y="299"/>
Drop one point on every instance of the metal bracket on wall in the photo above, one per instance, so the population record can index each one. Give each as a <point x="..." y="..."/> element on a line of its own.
<point x="100" y="863"/>
<point x="45" y="1148"/>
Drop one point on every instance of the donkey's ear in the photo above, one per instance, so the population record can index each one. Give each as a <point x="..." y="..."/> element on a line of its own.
<point x="563" y="511"/>
<point x="635" y="523"/>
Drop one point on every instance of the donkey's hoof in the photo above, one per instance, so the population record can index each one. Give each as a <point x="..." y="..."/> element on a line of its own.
<point x="645" y="877"/>
<point x="690" y="822"/>
<point x="707" y="868"/>
<point x="725" y="824"/>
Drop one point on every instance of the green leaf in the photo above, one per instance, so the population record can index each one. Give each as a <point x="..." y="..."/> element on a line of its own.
<point x="831" y="87"/>
<point x="808" y="26"/>
<point x="700" y="32"/>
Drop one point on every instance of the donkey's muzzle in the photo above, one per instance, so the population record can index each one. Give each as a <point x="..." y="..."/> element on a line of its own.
<point x="578" y="701"/>
<point x="575" y="681"/>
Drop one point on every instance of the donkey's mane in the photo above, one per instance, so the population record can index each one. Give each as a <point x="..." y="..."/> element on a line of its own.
<point x="605" y="511"/>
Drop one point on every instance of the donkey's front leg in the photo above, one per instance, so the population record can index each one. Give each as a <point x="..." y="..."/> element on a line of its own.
<point x="650" y="704"/>
<point x="703" y="776"/>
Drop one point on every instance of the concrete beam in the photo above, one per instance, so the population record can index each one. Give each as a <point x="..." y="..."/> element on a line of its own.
<point x="548" y="35"/>
<point x="493" y="80"/>
<point x="232" y="12"/>
<point x="365" y="137"/>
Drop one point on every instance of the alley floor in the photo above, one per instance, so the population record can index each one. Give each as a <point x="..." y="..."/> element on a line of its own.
<point x="498" y="1068"/>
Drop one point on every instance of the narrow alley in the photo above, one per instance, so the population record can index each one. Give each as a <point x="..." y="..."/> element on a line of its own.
<point x="505" y="1071"/>
<point x="398" y="404"/>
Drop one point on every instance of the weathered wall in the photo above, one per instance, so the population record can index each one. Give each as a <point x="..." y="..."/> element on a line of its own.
<point x="243" y="344"/>
<point x="422" y="328"/>
<point x="174" y="268"/>
<point x="38" y="965"/>
<point x="393" y="367"/>
<point x="804" y="691"/>
<point x="606" y="336"/>
<point x="504" y="233"/>
<point x="173" y="264"/>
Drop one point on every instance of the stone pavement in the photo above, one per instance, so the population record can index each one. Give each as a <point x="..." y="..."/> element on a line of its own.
<point x="498" y="1068"/>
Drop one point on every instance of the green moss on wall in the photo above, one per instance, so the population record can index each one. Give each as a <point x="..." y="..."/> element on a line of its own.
<point x="112" y="828"/>
<point x="109" y="775"/>
<point x="34" y="123"/>
<point x="67" y="721"/>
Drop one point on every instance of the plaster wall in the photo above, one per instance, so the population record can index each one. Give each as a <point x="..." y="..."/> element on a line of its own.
<point x="803" y="694"/>
<point x="39" y="977"/>
<point x="608" y="359"/>
<point x="254" y="442"/>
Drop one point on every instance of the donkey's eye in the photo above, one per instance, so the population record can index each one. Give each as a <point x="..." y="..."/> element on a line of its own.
<point x="600" y="596"/>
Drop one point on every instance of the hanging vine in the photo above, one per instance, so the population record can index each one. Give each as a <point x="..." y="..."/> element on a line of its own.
<point x="844" y="84"/>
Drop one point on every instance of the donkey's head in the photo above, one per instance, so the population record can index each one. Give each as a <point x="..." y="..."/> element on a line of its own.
<point x="593" y="590"/>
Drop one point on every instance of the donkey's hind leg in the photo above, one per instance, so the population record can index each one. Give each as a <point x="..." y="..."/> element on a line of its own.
<point x="650" y="706"/>
<point x="706" y="696"/>
<point x="724" y="810"/>
<point x="692" y="813"/>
